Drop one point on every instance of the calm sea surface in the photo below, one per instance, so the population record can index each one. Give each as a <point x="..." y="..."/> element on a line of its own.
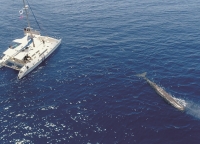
<point x="86" y="92"/>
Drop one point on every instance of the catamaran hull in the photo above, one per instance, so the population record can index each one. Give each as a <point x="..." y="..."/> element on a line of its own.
<point x="26" y="53"/>
<point x="27" y="68"/>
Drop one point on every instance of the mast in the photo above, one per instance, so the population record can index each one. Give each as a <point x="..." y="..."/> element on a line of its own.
<point x="26" y="7"/>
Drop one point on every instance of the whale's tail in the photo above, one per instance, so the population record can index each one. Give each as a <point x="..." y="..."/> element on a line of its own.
<point x="143" y="75"/>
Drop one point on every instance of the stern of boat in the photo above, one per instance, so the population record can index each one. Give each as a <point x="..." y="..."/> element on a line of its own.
<point x="23" y="71"/>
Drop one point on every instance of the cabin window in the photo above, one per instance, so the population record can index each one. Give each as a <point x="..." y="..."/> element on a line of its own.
<point x="14" y="45"/>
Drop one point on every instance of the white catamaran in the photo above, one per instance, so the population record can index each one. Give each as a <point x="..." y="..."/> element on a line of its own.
<point x="28" y="52"/>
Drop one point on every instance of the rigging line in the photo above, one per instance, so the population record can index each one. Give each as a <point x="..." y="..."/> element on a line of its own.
<point x="34" y="15"/>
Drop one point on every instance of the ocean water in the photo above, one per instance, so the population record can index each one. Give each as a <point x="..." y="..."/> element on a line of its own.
<point x="87" y="91"/>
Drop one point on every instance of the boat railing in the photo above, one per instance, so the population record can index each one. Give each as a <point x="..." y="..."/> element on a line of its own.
<point x="31" y="31"/>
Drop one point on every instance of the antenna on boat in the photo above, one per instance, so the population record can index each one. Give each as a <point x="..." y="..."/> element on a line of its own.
<point x="26" y="8"/>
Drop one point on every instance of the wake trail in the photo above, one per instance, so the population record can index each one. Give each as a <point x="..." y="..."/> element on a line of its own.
<point x="191" y="108"/>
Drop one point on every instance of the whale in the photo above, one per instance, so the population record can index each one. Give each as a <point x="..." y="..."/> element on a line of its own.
<point x="160" y="91"/>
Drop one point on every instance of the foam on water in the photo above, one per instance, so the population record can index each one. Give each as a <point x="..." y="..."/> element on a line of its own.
<point x="181" y="101"/>
<point x="86" y="91"/>
<point x="191" y="107"/>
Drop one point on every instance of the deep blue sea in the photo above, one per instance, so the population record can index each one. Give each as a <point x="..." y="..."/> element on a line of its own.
<point x="87" y="91"/>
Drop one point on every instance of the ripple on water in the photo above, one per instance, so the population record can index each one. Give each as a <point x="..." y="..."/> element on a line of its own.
<point x="87" y="91"/>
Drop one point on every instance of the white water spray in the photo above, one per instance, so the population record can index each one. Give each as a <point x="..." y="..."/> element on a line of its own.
<point x="191" y="108"/>
<point x="181" y="101"/>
